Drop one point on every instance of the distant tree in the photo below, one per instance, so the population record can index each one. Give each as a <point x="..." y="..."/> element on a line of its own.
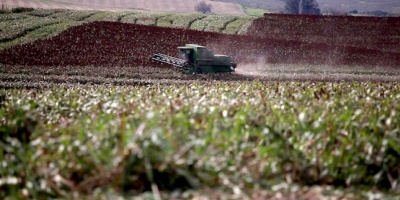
<point x="306" y="7"/>
<point x="354" y="12"/>
<point x="203" y="7"/>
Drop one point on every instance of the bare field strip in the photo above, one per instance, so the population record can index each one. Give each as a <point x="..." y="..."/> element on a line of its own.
<point x="44" y="77"/>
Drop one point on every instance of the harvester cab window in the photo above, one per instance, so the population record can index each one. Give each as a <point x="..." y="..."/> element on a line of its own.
<point x="205" y="53"/>
<point x="186" y="54"/>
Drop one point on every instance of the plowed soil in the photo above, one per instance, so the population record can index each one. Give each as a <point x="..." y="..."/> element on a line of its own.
<point x="275" y="39"/>
<point x="380" y="33"/>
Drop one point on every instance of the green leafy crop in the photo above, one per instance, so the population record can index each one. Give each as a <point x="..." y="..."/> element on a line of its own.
<point x="239" y="137"/>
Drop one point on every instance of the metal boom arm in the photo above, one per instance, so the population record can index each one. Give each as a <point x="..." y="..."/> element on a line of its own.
<point x="169" y="60"/>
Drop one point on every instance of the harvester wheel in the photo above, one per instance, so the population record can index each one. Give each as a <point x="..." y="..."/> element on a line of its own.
<point x="198" y="70"/>
<point x="189" y="68"/>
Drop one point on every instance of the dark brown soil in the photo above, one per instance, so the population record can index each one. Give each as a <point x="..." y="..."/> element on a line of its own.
<point x="380" y="33"/>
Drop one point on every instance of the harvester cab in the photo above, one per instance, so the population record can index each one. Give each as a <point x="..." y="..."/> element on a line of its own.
<point x="195" y="59"/>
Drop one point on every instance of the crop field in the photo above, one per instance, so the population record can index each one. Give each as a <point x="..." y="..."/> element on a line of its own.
<point x="19" y="28"/>
<point x="366" y="33"/>
<point x="308" y="114"/>
<point x="246" y="139"/>
<point x="176" y="6"/>
<point x="274" y="39"/>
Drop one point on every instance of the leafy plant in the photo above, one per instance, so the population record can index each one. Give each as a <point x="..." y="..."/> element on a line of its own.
<point x="242" y="136"/>
<point x="214" y="23"/>
<point x="13" y="29"/>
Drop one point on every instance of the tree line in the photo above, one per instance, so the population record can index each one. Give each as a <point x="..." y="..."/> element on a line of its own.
<point x="299" y="7"/>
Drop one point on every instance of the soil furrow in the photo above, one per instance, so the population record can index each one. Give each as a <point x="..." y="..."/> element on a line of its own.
<point x="191" y="22"/>
<point x="226" y="24"/>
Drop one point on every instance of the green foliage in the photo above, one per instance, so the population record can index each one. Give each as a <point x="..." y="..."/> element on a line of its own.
<point x="74" y="15"/>
<point x="170" y="19"/>
<point x="13" y="16"/>
<point x="185" y="20"/>
<point x="5" y="11"/>
<point x="40" y="33"/>
<point x="45" y="12"/>
<point x="258" y="12"/>
<point x="142" y="18"/>
<point x="215" y="23"/>
<point x="13" y="29"/>
<point x="238" y="26"/>
<point x="103" y="16"/>
<point x="113" y="16"/>
<point x="241" y="136"/>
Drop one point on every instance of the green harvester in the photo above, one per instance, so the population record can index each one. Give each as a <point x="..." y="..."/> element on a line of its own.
<point x="196" y="59"/>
